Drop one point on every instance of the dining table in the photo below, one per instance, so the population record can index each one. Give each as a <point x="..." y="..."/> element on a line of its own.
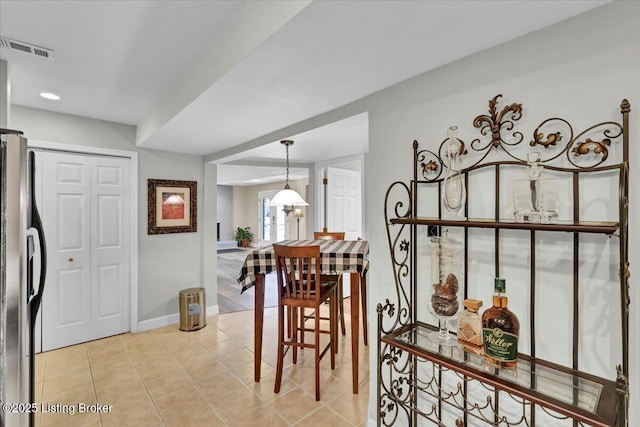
<point x="336" y="256"/>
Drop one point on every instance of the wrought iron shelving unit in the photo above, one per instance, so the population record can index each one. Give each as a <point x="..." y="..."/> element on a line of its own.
<point x="415" y="384"/>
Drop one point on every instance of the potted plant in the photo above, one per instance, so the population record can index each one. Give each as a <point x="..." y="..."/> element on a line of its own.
<point x="244" y="236"/>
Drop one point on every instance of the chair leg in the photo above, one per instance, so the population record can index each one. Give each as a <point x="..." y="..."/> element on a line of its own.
<point x="333" y="327"/>
<point x="294" y="325"/>
<point x="302" y="326"/>
<point x="317" y="351"/>
<point x="276" y="387"/>
<point x="341" y="307"/>
<point x="363" y="297"/>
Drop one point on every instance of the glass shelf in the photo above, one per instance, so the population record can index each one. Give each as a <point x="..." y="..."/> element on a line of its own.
<point x="572" y="393"/>
<point x="603" y="227"/>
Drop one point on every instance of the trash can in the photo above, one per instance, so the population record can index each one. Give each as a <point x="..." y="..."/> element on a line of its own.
<point x="193" y="309"/>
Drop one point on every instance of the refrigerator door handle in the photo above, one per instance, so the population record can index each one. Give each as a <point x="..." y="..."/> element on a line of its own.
<point x="36" y="223"/>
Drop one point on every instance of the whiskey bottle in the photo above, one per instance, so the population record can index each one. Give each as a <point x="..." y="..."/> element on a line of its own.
<point x="470" y="327"/>
<point x="500" y="329"/>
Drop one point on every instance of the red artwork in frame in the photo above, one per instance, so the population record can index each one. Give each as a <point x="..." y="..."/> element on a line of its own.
<point x="172" y="206"/>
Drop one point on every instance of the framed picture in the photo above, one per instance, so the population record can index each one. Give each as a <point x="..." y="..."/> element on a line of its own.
<point x="172" y="206"/>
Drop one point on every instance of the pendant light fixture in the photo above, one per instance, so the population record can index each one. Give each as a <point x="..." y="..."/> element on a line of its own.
<point x="287" y="198"/>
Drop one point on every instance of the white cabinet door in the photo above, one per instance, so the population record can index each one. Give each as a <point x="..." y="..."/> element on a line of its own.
<point x="86" y="215"/>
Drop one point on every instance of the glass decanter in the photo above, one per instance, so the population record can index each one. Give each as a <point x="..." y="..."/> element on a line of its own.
<point x="453" y="191"/>
<point x="535" y="198"/>
<point x="447" y="277"/>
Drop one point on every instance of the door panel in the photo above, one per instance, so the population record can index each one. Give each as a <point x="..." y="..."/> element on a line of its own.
<point x="65" y="215"/>
<point x="111" y="229"/>
<point x="71" y="222"/>
<point x="337" y="214"/>
<point x="70" y="173"/>
<point x="86" y="209"/>
<point x="70" y="292"/>
<point x="108" y="296"/>
<point x="109" y="235"/>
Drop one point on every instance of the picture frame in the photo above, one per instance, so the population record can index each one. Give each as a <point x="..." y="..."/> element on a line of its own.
<point x="172" y="206"/>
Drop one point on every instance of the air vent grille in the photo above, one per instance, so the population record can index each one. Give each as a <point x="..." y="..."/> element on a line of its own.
<point x="28" y="48"/>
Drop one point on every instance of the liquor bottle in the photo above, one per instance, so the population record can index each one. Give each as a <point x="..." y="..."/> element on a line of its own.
<point x="470" y="327"/>
<point x="535" y="198"/>
<point x="500" y="329"/>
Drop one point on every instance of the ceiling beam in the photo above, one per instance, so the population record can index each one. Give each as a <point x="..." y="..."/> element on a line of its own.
<point x="254" y="23"/>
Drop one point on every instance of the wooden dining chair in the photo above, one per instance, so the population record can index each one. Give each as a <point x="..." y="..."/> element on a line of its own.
<point x="300" y="287"/>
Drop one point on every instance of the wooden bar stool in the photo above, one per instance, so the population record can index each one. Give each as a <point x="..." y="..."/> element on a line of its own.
<point x="300" y="287"/>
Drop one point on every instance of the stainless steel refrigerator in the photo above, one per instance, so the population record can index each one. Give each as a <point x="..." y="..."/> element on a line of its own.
<point x="20" y="291"/>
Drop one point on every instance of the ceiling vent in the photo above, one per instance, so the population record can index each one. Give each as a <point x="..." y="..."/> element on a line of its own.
<point x="42" y="52"/>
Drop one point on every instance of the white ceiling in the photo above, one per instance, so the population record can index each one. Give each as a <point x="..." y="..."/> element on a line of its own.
<point x="201" y="77"/>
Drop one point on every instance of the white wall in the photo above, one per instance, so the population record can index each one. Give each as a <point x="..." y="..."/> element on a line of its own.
<point x="225" y="212"/>
<point x="167" y="263"/>
<point x="5" y="94"/>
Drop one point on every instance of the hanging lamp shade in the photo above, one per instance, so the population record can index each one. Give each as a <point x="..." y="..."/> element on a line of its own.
<point x="287" y="197"/>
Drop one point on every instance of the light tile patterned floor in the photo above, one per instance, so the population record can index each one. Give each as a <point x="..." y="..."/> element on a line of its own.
<point x="166" y="377"/>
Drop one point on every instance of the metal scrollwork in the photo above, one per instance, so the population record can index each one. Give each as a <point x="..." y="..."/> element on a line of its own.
<point x="593" y="152"/>
<point x="399" y="244"/>
<point x="556" y="130"/>
<point x="496" y="122"/>
<point x="599" y="147"/>
<point x="431" y="165"/>
<point x="552" y="139"/>
<point x="388" y="307"/>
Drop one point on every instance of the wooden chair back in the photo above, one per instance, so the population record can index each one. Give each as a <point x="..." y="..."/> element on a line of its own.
<point x="328" y="235"/>
<point x="298" y="269"/>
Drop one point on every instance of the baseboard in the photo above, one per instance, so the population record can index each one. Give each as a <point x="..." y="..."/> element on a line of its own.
<point x="171" y="319"/>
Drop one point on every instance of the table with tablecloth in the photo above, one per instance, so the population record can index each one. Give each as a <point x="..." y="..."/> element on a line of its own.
<point x="336" y="256"/>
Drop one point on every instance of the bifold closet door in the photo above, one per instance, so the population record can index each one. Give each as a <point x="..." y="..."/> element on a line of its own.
<point x="86" y="214"/>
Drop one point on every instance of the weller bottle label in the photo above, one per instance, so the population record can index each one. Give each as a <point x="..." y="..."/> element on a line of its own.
<point x="500" y="345"/>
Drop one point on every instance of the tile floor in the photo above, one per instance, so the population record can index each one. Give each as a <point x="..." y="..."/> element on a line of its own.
<point x="166" y="377"/>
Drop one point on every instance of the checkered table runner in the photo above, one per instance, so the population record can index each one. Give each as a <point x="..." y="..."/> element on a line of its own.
<point x="336" y="256"/>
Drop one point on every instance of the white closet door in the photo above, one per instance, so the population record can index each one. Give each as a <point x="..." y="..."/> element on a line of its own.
<point x="66" y="213"/>
<point x="110" y="246"/>
<point x="87" y="219"/>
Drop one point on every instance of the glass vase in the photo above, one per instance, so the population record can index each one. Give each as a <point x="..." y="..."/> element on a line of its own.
<point x="453" y="189"/>
<point x="447" y="285"/>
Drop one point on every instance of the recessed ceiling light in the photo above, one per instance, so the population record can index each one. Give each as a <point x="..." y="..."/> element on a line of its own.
<point x="49" y="95"/>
